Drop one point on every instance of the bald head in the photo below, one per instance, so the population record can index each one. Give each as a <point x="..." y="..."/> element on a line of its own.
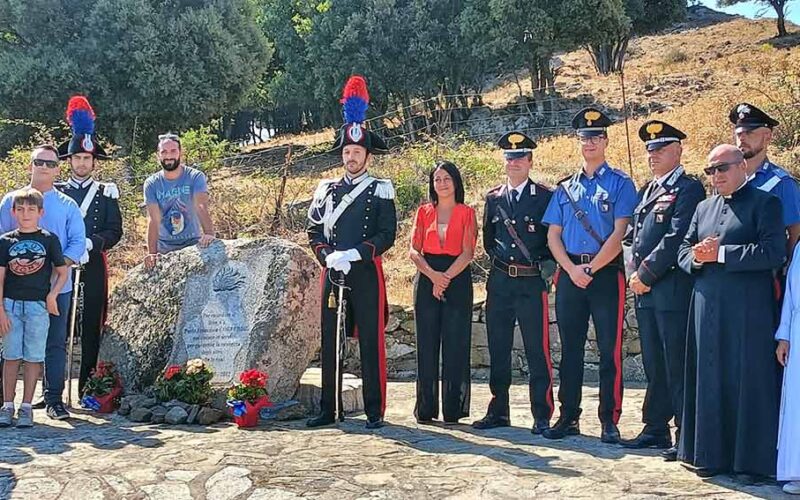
<point x="729" y="170"/>
<point x="727" y="153"/>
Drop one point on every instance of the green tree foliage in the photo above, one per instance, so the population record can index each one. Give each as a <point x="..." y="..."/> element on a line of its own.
<point x="778" y="5"/>
<point x="144" y="64"/>
<point x="618" y="20"/>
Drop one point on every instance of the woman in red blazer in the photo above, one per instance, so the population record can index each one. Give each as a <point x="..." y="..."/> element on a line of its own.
<point x="442" y="247"/>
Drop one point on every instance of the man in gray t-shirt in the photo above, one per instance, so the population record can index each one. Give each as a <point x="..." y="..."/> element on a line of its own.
<point x="177" y="204"/>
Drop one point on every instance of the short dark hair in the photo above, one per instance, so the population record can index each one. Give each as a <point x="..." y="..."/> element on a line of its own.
<point x="169" y="136"/>
<point x="452" y="170"/>
<point x="27" y="196"/>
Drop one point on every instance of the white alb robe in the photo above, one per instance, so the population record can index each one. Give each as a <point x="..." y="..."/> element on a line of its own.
<point x="789" y="329"/>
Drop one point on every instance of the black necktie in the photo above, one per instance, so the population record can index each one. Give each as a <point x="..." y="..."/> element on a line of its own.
<point x="513" y="200"/>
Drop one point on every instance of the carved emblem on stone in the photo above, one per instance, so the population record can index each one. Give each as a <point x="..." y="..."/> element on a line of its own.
<point x="227" y="279"/>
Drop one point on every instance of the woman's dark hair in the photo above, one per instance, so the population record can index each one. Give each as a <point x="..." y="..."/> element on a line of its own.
<point x="458" y="184"/>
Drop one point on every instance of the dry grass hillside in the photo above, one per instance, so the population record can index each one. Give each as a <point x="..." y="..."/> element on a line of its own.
<point x="689" y="77"/>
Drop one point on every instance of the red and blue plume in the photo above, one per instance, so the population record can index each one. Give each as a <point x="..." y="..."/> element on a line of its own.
<point x="80" y="116"/>
<point x="355" y="100"/>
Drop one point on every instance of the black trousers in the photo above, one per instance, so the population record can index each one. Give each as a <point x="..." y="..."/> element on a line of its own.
<point x="94" y="279"/>
<point x="524" y="300"/>
<point x="663" y="338"/>
<point x="604" y="301"/>
<point x="443" y="326"/>
<point x="366" y="311"/>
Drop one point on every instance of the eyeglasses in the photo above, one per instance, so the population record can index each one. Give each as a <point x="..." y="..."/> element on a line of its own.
<point x="594" y="139"/>
<point x="45" y="163"/>
<point x="719" y="167"/>
<point x="169" y="137"/>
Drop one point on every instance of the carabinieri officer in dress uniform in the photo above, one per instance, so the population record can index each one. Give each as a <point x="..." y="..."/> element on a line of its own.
<point x="99" y="204"/>
<point x="588" y="217"/>
<point x="516" y="241"/>
<point x="352" y="222"/>
<point x="662" y="290"/>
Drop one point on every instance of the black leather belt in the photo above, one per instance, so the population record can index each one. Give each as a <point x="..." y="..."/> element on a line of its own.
<point x="514" y="270"/>
<point x="586" y="258"/>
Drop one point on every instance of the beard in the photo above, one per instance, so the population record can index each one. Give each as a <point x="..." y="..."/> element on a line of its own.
<point x="170" y="165"/>
<point x="750" y="153"/>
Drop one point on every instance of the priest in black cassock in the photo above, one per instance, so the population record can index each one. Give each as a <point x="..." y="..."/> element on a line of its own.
<point x="734" y="245"/>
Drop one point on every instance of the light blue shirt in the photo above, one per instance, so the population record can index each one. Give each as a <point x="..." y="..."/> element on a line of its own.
<point x="61" y="217"/>
<point x="607" y="196"/>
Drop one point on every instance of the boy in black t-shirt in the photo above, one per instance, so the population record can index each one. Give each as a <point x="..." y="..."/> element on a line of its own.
<point x="29" y="258"/>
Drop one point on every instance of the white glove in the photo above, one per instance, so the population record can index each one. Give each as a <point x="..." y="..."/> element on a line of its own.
<point x="84" y="258"/>
<point x="89" y="245"/>
<point x="333" y="258"/>
<point x="352" y="255"/>
<point x="342" y="266"/>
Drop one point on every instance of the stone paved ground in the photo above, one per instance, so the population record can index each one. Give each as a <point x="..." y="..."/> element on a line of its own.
<point x="95" y="458"/>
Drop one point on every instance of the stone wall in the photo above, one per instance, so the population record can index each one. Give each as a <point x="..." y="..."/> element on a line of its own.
<point x="401" y="347"/>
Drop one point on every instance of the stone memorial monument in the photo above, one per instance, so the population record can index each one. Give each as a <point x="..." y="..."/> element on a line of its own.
<point x="238" y="304"/>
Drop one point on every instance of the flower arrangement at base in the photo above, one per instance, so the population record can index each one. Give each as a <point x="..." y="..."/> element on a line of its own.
<point x="103" y="390"/>
<point x="189" y="383"/>
<point x="247" y="397"/>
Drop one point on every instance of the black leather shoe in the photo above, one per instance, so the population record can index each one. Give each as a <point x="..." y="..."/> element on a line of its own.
<point x="706" y="472"/>
<point x="320" y="421"/>
<point x="491" y="421"/>
<point x="648" y="441"/>
<point x="610" y="433"/>
<point x="671" y="454"/>
<point x="564" y="427"/>
<point x="540" y="426"/>
<point x="375" y="423"/>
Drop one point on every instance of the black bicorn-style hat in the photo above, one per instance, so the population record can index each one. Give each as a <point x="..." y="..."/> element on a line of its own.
<point x="80" y="117"/>
<point x="591" y="121"/>
<point x="656" y="134"/>
<point x="515" y="141"/>
<point x="355" y="100"/>
<point x="748" y="117"/>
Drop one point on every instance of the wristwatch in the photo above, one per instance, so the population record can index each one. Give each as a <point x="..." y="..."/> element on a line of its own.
<point x="588" y="271"/>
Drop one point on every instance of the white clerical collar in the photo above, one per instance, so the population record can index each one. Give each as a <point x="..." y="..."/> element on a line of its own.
<point x="728" y="197"/>
<point x="356" y="180"/>
<point x="78" y="184"/>
<point x="517" y="188"/>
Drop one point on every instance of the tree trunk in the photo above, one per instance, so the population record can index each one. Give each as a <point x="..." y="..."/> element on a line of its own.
<point x="781" y="22"/>
<point x="610" y="57"/>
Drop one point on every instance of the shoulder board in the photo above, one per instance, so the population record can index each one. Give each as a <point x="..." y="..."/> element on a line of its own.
<point x="384" y="189"/>
<point x="620" y="172"/>
<point x="541" y="187"/>
<point x="495" y="190"/>
<point x="110" y="190"/>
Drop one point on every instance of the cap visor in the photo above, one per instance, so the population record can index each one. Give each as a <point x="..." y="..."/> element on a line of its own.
<point x="590" y="133"/>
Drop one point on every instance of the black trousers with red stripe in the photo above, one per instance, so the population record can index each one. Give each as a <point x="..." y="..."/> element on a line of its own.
<point x="508" y="301"/>
<point x="94" y="280"/>
<point x="366" y="311"/>
<point x="604" y="301"/>
<point x="446" y="327"/>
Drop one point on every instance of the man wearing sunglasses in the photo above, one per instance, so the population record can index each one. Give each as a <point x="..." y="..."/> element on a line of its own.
<point x="61" y="217"/>
<point x="662" y="291"/>
<point x="734" y="244"/>
<point x="588" y="216"/>
<point x="177" y="204"/>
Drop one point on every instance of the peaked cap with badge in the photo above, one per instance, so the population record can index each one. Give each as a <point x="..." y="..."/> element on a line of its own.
<point x="591" y="121"/>
<point x="748" y="117"/>
<point x="656" y="134"/>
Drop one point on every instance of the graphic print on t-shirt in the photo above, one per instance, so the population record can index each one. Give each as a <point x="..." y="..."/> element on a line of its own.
<point x="175" y="221"/>
<point x="26" y="257"/>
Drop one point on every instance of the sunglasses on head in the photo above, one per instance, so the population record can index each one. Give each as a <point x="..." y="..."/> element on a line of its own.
<point x="719" y="167"/>
<point x="45" y="163"/>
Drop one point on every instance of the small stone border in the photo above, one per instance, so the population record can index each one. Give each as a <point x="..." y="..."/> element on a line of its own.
<point x="147" y="409"/>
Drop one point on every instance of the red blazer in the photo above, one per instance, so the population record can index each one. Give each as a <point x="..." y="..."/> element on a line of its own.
<point x="461" y="225"/>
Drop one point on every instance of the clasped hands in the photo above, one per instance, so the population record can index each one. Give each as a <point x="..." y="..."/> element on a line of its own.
<point x="342" y="260"/>
<point x="706" y="251"/>
<point x="636" y="285"/>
